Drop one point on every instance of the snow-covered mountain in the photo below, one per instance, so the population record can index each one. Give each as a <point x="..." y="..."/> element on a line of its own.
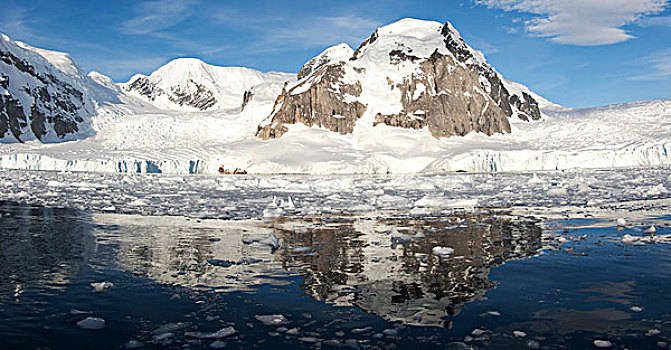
<point x="44" y="95"/>
<point x="196" y="85"/>
<point x="410" y="74"/>
<point x="400" y="103"/>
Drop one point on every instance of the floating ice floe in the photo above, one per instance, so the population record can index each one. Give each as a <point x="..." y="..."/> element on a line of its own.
<point x="162" y="336"/>
<point x="79" y="312"/>
<point x="91" y="323"/>
<point x="272" y="320"/>
<point x="629" y="239"/>
<point x="602" y="344"/>
<point x="636" y="309"/>
<point x="403" y="238"/>
<point x="272" y="213"/>
<point x="99" y="287"/>
<point x="272" y="241"/>
<point x="222" y="333"/>
<point x="519" y="334"/>
<point x="650" y="230"/>
<point x="621" y="222"/>
<point x="133" y="344"/>
<point x="442" y="252"/>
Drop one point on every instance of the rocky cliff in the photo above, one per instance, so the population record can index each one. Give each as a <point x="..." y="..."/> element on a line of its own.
<point x="410" y="74"/>
<point x="43" y="94"/>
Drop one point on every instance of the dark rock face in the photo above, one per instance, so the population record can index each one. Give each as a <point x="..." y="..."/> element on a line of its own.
<point x="445" y="114"/>
<point x="54" y="102"/>
<point x="322" y="104"/>
<point x="202" y="98"/>
<point x="528" y="108"/>
<point x="246" y="98"/>
<point x="193" y="94"/>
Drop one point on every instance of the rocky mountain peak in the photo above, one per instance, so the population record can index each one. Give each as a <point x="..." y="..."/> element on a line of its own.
<point x="410" y="74"/>
<point x="334" y="54"/>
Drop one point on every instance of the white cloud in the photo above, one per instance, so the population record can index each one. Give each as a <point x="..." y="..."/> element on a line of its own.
<point x="659" y="63"/>
<point x="154" y="16"/>
<point x="581" y="22"/>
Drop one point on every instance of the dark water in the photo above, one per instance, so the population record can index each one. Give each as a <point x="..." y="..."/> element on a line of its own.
<point x="340" y="282"/>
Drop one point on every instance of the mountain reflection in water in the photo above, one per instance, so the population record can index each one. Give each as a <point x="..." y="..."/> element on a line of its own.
<point x="343" y="261"/>
<point x="40" y="247"/>
<point x="359" y="263"/>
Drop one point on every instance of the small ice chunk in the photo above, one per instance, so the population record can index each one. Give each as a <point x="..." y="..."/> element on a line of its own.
<point x="301" y="249"/>
<point x="653" y="332"/>
<point x="390" y="332"/>
<point x="133" y="344"/>
<point x="94" y="323"/>
<point x="478" y="332"/>
<point x="294" y="331"/>
<point x="308" y="339"/>
<point x="222" y="333"/>
<point x="101" y="286"/>
<point x="629" y="239"/>
<point x="271" y="240"/>
<point x="442" y="252"/>
<point x="621" y="222"/>
<point x="662" y="344"/>
<point x="272" y="320"/>
<point x="519" y="334"/>
<point x="403" y="238"/>
<point x="562" y="240"/>
<point x="273" y="213"/>
<point x="79" y="312"/>
<point x="650" y="230"/>
<point x="494" y="313"/>
<point x="171" y="327"/>
<point x="602" y="344"/>
<point x="636" y="308"/>
<point x="162" y="336"/>
<point x="218" y="345"/>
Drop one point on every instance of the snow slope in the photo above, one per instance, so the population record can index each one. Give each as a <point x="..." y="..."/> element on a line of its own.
<point x="607" y="137"/>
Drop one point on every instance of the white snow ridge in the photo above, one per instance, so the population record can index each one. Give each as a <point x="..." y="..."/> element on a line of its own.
<point x="192" y="117"/>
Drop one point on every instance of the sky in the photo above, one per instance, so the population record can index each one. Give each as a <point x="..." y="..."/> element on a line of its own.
<point x="577" y="53"/>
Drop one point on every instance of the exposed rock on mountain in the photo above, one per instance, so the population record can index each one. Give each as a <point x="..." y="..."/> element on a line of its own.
<point x="319" y="99"/>
<point x="192" y="83"/>
<point x="410" y="74"/>
<point x="43" y="94"/>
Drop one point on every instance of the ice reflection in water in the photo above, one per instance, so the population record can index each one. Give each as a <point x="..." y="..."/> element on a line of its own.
<point x="343" y="261"/>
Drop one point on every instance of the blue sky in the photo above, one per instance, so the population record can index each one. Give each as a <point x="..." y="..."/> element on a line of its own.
<point x="574" y="52"/>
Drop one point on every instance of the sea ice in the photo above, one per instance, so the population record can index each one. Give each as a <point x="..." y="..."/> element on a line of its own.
<point x="93" y="323"/>
<point x="272" y="320"/>
<point x="101" y="286"/>
<point x="442" y="252"/>
<point x="271" y="240"/>
<point x="519" y="334"/>
<point x="222" y="333"/>
<point x="650" y="230"/>
<point x="602" y="343"/>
